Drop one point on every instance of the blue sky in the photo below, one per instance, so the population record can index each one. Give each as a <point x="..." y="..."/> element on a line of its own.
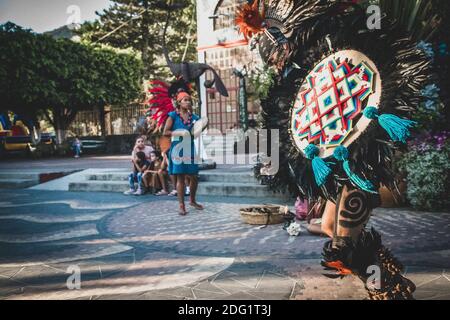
<point x="46" y="15"/>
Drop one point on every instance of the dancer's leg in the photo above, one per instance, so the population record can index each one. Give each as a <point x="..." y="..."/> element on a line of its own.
<point x="329" y="214"/>
<point x="193" y="187"/>
<point x="353" y="212"/>
<point x="180" y="193"/>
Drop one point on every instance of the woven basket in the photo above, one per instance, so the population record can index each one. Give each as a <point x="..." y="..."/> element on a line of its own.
<point x="251" y="216"/>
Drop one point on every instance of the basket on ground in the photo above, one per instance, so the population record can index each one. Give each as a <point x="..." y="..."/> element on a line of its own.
<point x="263" y="214"/>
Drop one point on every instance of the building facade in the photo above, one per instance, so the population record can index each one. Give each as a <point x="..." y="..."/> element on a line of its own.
<point x="220" y="46"/>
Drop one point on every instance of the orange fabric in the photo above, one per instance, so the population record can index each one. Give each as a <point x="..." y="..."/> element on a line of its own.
<point x="182" y="95"/>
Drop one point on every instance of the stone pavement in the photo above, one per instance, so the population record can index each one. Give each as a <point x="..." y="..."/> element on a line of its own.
<point x="140" y="248"/>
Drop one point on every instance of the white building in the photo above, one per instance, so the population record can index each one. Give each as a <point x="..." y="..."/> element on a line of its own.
<point x="220" y="46"/>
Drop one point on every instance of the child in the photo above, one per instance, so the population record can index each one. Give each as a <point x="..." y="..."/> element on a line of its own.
<point x="141" y="146"/>
<point x="76" y="146"/>
<point x="147" y="177"/>
<point x="140" y="166"/>
<point x="156" y="176"/>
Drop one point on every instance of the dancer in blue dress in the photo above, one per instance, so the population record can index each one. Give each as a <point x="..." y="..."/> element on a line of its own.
<point x="182" y="159"/>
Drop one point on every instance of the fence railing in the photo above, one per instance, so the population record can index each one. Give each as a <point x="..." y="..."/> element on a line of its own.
<point x="119" y="120"/>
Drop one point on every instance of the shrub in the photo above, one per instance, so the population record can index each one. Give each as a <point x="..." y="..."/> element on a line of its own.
<point x="427" y="166"/>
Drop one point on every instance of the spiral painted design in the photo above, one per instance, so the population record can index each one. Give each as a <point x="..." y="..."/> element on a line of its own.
<point x="355" y="211"/>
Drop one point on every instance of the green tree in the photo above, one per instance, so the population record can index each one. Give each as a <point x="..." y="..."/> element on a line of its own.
<point x="138" y="24"/>
<point x="61" y="77"/>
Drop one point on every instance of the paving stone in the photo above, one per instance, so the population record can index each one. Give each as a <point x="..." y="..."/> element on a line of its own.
<point x="208" y="295"/>
<point x="145" y="250"/>
<point x="209" y="286"/>
<point x="242" y="296"/>
<point x="9" y="287"/>
<point x="431" y="295"/>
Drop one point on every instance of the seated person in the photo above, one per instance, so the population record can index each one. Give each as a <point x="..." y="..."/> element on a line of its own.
<point x="141" y="164"/>
<point x="76" y="147"/>
<point x="318" y="223"/>
<point x="141" y="146"/>
<point x="156" y="176"/>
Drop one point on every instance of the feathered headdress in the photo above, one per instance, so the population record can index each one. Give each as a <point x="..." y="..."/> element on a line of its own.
<point x="318" y="162"/>
<point x="160" y="103"/>
<point x="250" y="20"/>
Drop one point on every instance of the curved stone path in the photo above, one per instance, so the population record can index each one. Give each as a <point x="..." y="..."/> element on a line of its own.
<point x="140" y="248"/>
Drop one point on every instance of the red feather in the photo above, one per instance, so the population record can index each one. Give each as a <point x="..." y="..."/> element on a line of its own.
<point x="160" y="103"/>
<point x="249" y="20"/>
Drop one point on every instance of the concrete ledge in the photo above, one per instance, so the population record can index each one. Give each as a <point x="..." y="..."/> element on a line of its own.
<point x="99" y="186"/>
<point x="239" y="177"/>
<point x="19" y="175"/>
<point x="10" y="183"/>
<point x="13" y="179"/>
<point x="207" y="176"/>
<point x="204" y="188"/>
<point x="235" y="190"/>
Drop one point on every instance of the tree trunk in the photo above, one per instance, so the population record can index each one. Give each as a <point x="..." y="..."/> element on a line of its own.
<point x="62" y="118"/>
<point x="145" y="37"/>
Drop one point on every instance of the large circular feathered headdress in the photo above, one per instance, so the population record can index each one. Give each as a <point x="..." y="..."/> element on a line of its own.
<point x="342" y="96"/>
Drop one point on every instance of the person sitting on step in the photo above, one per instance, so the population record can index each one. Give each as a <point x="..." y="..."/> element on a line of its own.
<point x="141" y="164"/>
<point x="156" y="176"/>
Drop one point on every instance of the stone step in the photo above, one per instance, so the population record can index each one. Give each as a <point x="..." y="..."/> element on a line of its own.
<point x="116" y="176"/>
<point x="235" y="190"/>
<point x="210" y="176"/>
<point x="218" y="149"/>
<point x="99" y="186"/>
<point x="210" y="150"/>
<point x="19" y="175"/>
<point x="204" y="188"/>
<point x="219" y="143"/>
<point x="17" y="183"/>
<point x="230" y="177"/>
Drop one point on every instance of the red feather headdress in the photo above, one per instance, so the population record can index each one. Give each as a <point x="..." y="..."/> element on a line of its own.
<point x="250" y="20"/>
<point x="160" y="103"/>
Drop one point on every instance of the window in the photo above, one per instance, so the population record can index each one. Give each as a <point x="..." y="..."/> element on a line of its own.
<point x="225" y="12"/>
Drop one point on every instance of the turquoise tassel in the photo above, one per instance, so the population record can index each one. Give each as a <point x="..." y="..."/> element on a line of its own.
<point x="341" y="154"/>
<point x="396" y="127"/>
<point x="320" y="167"/>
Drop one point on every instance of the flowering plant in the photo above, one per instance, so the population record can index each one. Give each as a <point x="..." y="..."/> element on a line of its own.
<point x="261" y="80"/>
<point x="429" y="113"/>
<point x="427" y="167"/>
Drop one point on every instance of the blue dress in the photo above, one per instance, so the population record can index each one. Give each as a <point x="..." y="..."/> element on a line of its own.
<point x="182" y="160"/>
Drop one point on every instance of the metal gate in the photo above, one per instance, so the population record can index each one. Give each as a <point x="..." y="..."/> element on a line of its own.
<point x="223" y="112"/>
